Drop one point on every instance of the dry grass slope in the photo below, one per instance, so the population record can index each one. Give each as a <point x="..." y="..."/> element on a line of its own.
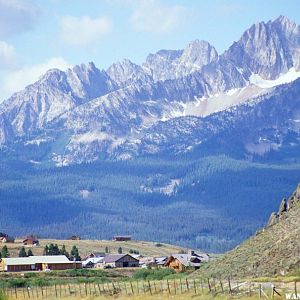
<point x="272" y="251"/>
<point x="88" y="246"/>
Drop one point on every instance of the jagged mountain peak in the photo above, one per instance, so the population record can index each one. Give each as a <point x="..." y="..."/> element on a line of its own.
<point x="125" y="72"/>
<point x="268" y="49"/>
<point x="197" y="54"/>
<point x="285" y="22"/>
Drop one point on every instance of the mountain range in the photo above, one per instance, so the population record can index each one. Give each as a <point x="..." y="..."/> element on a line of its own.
<point x="111" y="113"/>
<point x="239" y="110"/>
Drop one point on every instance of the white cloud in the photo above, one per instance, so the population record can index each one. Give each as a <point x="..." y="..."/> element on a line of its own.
<point x="157" y="17"/>
<point x="8" y="56"/>
<point x="16" y="80"/>
<point x="84" y="31"/>
<point x="17" y="16"/>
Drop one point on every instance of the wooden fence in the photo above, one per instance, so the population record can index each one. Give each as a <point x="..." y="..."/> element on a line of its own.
<point x="197" y="286"/>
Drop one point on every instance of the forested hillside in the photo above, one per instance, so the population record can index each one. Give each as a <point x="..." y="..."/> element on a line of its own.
<point x="212" y="203"/>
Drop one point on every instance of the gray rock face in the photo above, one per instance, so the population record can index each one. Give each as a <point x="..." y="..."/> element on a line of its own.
<point x="125" y="72"/>
<point x="273" y="219"/>
<point x="170" y="64"/>
<point x="294" y="200"/>
<point x="267" y="49"/>
<point x="54" y="94"/>
<point x="283" y="207"/>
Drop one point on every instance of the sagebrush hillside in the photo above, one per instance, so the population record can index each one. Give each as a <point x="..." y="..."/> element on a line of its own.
<point x="275" y="250"/>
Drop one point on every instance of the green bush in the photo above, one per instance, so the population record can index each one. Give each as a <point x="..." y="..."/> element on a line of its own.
<point x="152" y="274"/>
<point x="30" y="275"/>
<point x="18" y="282"/>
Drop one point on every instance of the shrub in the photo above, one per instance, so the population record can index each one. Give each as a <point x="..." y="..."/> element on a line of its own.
<point x="152" y="274"/>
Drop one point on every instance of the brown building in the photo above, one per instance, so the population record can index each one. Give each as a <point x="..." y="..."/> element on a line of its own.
<point x="122" y="238"/>
<point x="38" y="263"/>
<point x="119" y="261"/>
<point x="31" y="240"/>
<point x="75" y="238"/>
<point x="190" y="261"/>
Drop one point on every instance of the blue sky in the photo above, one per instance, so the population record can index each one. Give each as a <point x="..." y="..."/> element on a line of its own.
<point x="36" y="35"/>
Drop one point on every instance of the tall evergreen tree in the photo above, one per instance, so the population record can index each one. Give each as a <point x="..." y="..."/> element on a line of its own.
<point x="4" y="252"/>
<point x="22" y="252"/>
<point x="30" y="253"/>
<point x="63" y="251"/>
<point x="75" y="253"/>
<point x="120" y="250"/>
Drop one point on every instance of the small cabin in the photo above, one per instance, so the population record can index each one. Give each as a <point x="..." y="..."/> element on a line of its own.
<point x="190" y="261"/>
<point x="75" y="238"/>
<point x="122" y="238"/>
<point x="31" y="241"/>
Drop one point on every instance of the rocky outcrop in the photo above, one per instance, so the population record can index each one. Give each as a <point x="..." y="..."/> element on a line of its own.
<point x="285" y="206"/>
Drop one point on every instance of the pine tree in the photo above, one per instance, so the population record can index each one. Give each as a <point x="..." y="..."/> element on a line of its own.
<point x="120" y="251"/>
<point x="106" y="250"/>
<point x="22" y="252"/>
<point x="4" y="252"/>
<point x="63" y="251"/>
<point x="30" y="253"/>
<point x="75" y="253"/>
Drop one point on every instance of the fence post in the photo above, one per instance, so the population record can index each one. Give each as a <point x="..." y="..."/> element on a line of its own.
<point x="209" y="287"/>
<point x="168" y="286"/>
<point x="55" y="291"/>
<point x="229" y="286"/>
<point x="175" y="286"/>
<point x="221" y="284"/>
<point x="260" y="291"/>
<point x="187" y="284"/>
<point x="180" y="285"/>
<point x="131" y="288"/>
<point x="149" y="285"/>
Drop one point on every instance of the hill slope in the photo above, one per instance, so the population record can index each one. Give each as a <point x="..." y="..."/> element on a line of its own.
<point x="273" y="250"/>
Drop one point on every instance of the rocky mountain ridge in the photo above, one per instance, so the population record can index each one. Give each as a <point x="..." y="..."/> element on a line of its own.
<point x="98" y="112"/>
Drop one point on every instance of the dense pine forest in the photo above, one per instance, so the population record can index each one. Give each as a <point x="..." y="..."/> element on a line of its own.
<point x="212" y="203"/>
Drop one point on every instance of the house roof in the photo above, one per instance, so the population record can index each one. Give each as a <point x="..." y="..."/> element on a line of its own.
<point x="187" y="260"/>
<point x="110" y="258"/>
<point x="31" y="260"/>
<point x="113" y="257"/>
<point x="92" y="260"/>
<point x="161" y="260"/>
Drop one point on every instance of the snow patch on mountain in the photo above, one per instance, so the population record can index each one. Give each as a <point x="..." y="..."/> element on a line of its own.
<point x="283" y="78"/>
